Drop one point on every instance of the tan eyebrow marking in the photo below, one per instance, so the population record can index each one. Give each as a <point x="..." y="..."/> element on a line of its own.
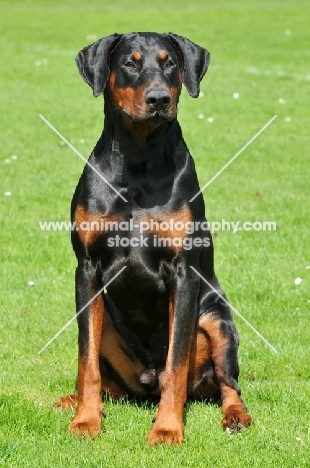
<point x="136" y="55"/>
<point x="163" y="55"/>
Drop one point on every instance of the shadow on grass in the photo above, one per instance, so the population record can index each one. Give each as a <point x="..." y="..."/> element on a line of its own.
<point x="151" y="403"/>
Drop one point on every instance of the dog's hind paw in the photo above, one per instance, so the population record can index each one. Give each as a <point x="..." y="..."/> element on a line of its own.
<point x="67" y="402"/>
<point x="236" y="421"/>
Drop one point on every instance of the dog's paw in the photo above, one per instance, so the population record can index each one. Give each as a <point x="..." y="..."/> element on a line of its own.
<point x="169" y="436"/>
<point x="89" y="428"/>
<point x="167" y="431"/>
<point x="67" y="402"/>
<point x="236" y="420"/>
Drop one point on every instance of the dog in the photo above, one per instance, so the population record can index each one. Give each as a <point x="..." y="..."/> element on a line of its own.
<point x="158" y="330"/>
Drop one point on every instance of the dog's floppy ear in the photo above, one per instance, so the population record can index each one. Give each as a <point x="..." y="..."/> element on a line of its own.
<point x="195" y="62"/>
<point x="93" y="62"/>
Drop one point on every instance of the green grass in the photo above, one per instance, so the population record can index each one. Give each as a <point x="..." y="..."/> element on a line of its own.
<point x="251" y="55"/>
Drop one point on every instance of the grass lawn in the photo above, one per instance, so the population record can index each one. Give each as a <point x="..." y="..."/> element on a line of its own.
<point x="260" y="50"/>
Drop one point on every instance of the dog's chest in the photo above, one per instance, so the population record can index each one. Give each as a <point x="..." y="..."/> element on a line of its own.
<point x="134" y="232"/>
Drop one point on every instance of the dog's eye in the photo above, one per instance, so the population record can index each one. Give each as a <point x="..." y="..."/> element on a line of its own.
<point x="169" y="64"/>
<point x="130" y="64"/>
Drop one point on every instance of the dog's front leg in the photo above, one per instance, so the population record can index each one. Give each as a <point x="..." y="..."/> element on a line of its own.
<point x="87" y="420"/>
<point x="168" y="426"/>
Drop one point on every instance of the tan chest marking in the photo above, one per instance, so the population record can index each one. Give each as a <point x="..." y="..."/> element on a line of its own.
<point x="91" y="225"/>
<point x="171" y="226"/>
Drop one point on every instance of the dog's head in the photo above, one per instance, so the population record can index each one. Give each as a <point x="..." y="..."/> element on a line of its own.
<point x="143" y="72"/>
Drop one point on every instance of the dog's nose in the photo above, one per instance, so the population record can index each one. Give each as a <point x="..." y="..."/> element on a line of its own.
<point x="158" y="98"/>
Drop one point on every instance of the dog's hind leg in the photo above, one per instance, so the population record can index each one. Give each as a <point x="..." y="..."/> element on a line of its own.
<point x="222" y="341"/>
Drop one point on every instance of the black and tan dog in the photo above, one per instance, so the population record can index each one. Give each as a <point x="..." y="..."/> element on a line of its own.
<point x="158" y="330"/>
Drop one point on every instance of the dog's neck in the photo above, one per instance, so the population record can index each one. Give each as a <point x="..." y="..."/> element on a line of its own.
<point x="137" y="142"/>
<point x="145" y="166"/>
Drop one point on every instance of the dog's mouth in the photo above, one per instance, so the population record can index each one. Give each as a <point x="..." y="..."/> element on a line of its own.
<point x="158" y="116"/>
<point x="152" y="118"/>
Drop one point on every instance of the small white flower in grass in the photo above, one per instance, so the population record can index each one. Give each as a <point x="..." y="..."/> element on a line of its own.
<point x="62" y="143"/>
<point x="7" y="161"/>
<point x="299" y="439"/>
<point x="30" y="283"/>
<point x="252" y="70"/>
<point x="236" y="95"/>
<point x="91" y="37"/>
<point x="7" y="194"/>
<point x="200" y="116"/>
<point x="38" y="63"/>
<point x="298" y="281"/>
<point x="308" y="267"/>
<point x="282" y="101"/>
<point x="287" y="119"/>
<point x="201" y="94"/>
<point x="288" y="32"/>
<point x="82" y="140"/>
<point x="14" y="156"/>
<point x="210" y="119"/>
